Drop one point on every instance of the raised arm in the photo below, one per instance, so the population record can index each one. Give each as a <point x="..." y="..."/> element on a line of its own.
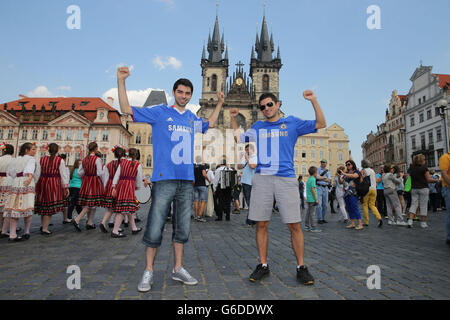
<point x="234" y="125"/>
<point x="320" y="118"/>
<point x="213" y="118"/>
<point x="122" y="74"/>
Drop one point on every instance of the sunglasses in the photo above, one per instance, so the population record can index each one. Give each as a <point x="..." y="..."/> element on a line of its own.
<point x="348" y="164"/>
<point x="263" y="107"/>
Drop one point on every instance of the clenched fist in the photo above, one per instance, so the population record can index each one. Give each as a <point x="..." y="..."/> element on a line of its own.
<point x="221" y="96"/>
<point x="234" y="112"/>
<point x="309" y="95"/>
<point x="123" y="73"/>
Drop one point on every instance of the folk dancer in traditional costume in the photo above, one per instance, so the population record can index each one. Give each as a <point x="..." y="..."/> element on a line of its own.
<point x="92" y="190"/>
<point x="20" y="202"/>
<point x="128" y="177"/>
<point x="52" y="188"/>
<point x="5" y="184"/>
<point x="110" y="171"/>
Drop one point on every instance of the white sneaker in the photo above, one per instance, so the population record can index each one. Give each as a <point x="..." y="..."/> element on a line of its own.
<point x="401" y="223"/>
<point x="410" y="223"/>
<point x="146" y="281"/>
<point x="391" y="223"/>
<point x="423" y="225"/>
<point x="184" y="276"/>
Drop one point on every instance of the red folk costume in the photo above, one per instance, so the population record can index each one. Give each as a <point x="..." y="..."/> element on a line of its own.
<point x="92" y="190"/>
<point x="110" y="201"/>
<point x="127" y="177"/>
<point x="50" y="198"/>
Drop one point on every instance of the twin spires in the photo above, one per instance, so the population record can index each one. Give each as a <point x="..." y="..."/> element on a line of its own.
<point x="264" y="46"/>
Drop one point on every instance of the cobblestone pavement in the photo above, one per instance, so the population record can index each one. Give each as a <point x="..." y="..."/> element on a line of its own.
<point x="221" y="255"/>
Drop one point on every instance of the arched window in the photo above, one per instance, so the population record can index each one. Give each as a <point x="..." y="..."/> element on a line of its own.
<point x="138" y="138"/>
<point x="214" y="83"/>
<point x="265" y="83"/>
<point x="150" y="140"/>
<point x="149" y="161"/>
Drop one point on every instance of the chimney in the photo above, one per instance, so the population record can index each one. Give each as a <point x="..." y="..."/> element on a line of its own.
<point x="110" y="101"/>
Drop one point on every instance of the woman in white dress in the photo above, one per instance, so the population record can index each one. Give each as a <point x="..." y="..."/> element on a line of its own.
<point x="5" y="184"/>
<point x="20" y="202"/>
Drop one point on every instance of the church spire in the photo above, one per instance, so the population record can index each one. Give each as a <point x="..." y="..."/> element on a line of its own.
<point x="216" y="45"/>
<point x="264" y="45"/>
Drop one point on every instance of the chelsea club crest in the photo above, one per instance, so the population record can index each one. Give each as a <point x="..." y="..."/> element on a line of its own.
<point x="283" y="126"/>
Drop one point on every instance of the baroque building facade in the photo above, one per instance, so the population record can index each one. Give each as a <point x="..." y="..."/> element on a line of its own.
<point x="394" y="149"/>
<point x="72" y="123"/>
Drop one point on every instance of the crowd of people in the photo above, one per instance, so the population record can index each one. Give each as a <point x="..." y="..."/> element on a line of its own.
<point x="186" y="191"/>
<point x="48" y="187"/>
<point x="400" y="197"/>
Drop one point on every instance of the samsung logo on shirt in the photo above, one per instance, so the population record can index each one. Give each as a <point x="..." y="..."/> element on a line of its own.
<point x="273" y="134"/>
<point x="180" y="128"/>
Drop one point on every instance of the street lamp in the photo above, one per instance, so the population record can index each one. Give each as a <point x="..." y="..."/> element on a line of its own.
<point x="403" y="131"/>
<point x="442" y="111"/>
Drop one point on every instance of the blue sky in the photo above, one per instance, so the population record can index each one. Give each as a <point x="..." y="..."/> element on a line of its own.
<point x="325" y="46"/>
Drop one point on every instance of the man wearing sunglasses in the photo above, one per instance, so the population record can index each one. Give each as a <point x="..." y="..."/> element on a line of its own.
<point x="275" y="175"/>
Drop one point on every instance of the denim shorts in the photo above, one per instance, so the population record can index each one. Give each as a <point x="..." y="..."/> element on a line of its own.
<point x="201" y="193"/>
<point x="163" y="193"/>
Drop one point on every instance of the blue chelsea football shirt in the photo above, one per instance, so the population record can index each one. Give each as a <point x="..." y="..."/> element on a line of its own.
<point x="173" y="140"/>
<point x="275" y="142"/>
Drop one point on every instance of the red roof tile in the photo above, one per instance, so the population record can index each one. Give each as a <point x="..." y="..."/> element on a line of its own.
<point x="88" y="105"/>
<point x="444" y="80"/>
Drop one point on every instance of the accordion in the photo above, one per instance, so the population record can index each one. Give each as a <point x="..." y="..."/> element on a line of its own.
<point x="228" y="178"/>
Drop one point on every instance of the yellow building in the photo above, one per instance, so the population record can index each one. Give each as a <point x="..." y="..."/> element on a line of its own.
<point x="330" y="144"/>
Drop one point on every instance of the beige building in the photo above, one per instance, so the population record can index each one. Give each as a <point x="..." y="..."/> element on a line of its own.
<point x="72" y="123"/>
<point x="330" y="144"/>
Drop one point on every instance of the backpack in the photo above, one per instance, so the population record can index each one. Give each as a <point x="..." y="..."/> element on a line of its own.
<point x="363" y="188"/>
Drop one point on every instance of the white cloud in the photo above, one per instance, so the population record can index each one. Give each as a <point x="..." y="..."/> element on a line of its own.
<point x="135" y="97"/>
<point x="162" y="63"/>
<point x="40" y="92"/>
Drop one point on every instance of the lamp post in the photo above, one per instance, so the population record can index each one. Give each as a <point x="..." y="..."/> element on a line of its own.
<point x="403" y="131"/>
<point x="442" y="111"/>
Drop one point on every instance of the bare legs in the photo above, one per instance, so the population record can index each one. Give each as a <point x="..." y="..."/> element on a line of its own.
<point x="262" y="241"/>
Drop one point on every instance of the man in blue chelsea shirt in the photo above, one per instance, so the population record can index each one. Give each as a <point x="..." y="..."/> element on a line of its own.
<point x="275" y="176"/>
<point x="173" y="130"/>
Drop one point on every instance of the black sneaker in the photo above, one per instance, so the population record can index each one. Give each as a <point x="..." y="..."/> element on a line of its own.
<point x="259" y="273"/>
<point x="380" y="223"/>
<point x="304" y="277"/>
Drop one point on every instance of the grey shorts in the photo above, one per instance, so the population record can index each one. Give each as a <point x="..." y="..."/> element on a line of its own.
<point x="285" y="191"/>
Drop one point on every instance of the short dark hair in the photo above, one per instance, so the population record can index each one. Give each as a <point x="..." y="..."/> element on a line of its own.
<point x="183" y="82"/>
<point x="312" y="170"/>
<point x="268" y="95"/>
<point x="9" y="149"/>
